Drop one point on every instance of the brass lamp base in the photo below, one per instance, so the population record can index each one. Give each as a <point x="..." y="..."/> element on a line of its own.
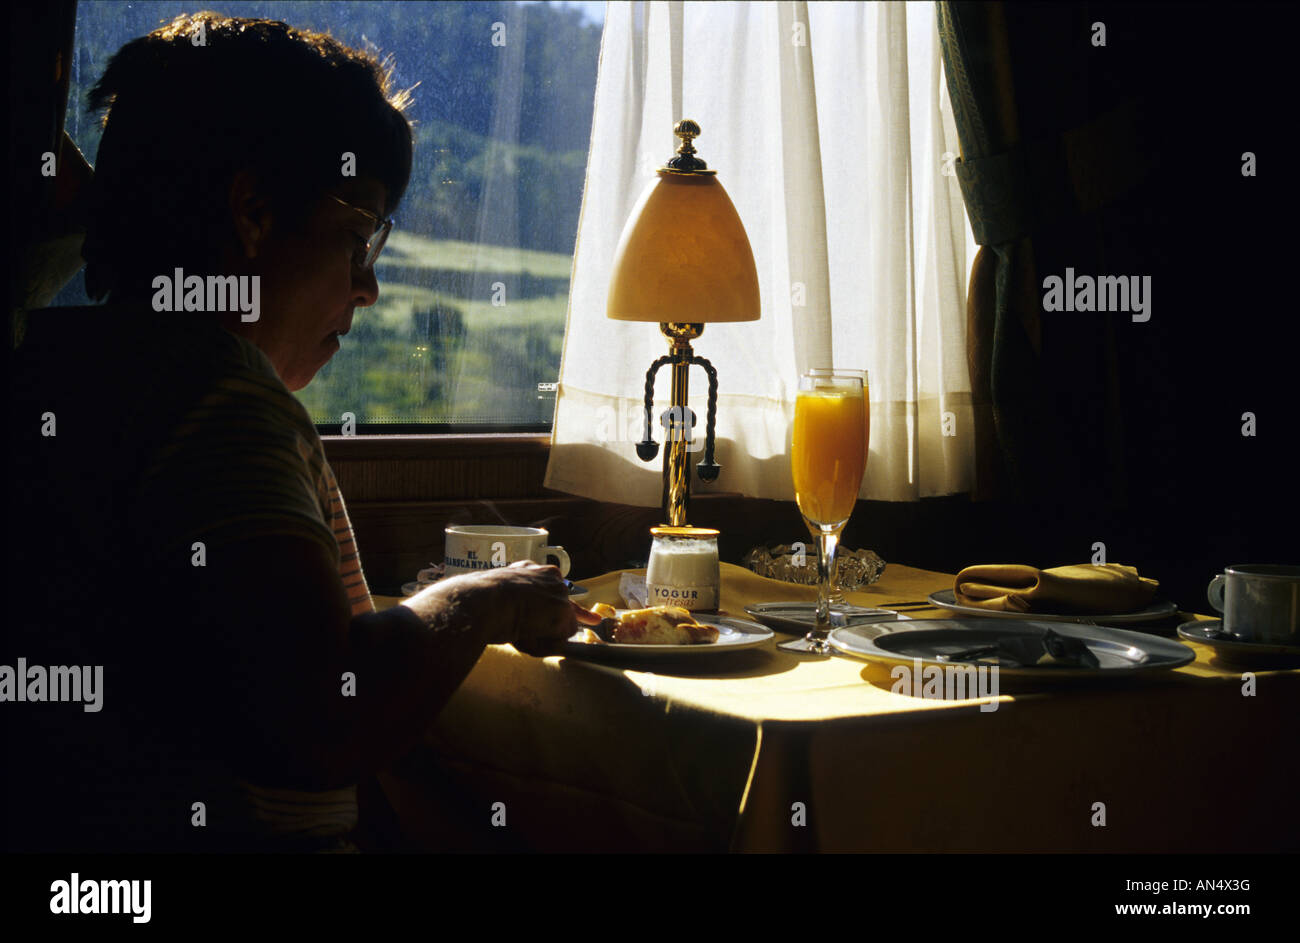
<point x="679" y="420"/>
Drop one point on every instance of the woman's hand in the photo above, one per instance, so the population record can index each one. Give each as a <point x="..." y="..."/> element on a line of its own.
<point x="524" y="604"/>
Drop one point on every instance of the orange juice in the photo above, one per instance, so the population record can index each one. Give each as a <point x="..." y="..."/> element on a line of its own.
<point x="828" y="453"/>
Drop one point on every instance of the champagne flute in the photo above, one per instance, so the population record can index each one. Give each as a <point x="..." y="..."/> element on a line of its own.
<point x="839" y="602"/>
<point x="827" y="457"/>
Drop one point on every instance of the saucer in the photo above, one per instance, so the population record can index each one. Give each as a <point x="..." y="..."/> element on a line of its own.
<point x="1240" y="652"/>
<point x="410" y="589"/>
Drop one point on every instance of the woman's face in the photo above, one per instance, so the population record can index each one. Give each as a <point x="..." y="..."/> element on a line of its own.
<point x="310" y="282"/>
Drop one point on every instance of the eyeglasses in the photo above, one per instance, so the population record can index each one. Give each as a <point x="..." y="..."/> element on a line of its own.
<point x="375" y="244"/>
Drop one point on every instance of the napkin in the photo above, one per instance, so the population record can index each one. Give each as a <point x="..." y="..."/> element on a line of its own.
<point x="1094" y="588"/>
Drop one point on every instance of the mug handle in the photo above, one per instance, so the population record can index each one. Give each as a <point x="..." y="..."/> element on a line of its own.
<point x="560" y="554"/>
<point x="1215" y="593"/>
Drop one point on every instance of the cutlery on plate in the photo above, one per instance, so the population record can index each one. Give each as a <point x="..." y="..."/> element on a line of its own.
<point x="1029" y="650"/>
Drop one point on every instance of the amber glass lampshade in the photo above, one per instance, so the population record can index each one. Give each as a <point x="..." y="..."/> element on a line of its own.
<point x="684" y="256"/>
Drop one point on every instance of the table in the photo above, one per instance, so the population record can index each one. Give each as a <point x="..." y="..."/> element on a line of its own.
<point x="772" y="752"/>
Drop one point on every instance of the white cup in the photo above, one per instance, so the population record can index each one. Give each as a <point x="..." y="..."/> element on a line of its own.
<point x="473" y="547"/>
<point x="1260" y="602"/>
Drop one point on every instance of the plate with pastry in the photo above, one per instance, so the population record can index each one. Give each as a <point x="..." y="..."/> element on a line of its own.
<point x="663" y="631"/>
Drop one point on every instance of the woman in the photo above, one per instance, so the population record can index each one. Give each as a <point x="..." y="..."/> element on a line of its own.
<point x="176" y="520"/>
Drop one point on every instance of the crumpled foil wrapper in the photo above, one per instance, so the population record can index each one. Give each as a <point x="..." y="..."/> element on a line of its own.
<point x="631" y="586"/>
<point x="856" y="569"/>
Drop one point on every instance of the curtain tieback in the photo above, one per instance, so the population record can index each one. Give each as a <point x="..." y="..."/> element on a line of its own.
<point x="1011" y="194"/>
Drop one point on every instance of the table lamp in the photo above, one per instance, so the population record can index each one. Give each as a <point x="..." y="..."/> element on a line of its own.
<point x="683" y="261"/>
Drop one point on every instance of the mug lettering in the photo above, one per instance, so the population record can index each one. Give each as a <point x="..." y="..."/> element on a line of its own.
<point x="467" y="564"/>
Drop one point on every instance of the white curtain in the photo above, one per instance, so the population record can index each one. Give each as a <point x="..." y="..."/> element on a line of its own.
<point x="829" y="127"/>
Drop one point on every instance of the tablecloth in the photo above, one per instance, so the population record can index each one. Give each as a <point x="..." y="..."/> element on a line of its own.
<point x="772" y="752"/>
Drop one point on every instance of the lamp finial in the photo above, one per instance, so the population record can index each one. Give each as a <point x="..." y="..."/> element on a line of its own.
<point x="686" y="161"/>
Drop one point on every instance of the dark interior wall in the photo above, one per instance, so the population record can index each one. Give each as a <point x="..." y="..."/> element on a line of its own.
<point x="40" y="40"/>
<point x="1141" y="443"/>
<point x="44" y="246"/>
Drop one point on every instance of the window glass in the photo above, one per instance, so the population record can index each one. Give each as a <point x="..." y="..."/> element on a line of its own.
<point x="474" y="280"/>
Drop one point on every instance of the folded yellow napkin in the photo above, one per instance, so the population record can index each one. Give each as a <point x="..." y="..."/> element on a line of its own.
<point x="1088" y="588"/>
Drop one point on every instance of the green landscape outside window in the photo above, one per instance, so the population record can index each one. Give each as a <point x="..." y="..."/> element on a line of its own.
<point x="474" y="280"/>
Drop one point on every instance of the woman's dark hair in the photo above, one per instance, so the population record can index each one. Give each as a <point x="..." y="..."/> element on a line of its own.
<point x="206" y="96"/>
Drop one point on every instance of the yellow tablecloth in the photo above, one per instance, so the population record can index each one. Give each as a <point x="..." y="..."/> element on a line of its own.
<point x="765" y="751"/>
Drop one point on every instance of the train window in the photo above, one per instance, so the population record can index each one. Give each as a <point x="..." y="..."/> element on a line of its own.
<point x="474" y="279"/>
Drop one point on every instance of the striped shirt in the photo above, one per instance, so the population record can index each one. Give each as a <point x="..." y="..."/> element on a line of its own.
<point x="250" y="449"/>
<point x="172" y="432"/>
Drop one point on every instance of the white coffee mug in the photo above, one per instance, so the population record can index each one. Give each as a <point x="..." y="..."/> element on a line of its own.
<point x="1260" y="602"/>
<point x="472" y="547"/>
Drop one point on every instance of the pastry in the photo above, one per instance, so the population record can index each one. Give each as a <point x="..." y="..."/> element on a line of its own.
<point x="660" y="625"/>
